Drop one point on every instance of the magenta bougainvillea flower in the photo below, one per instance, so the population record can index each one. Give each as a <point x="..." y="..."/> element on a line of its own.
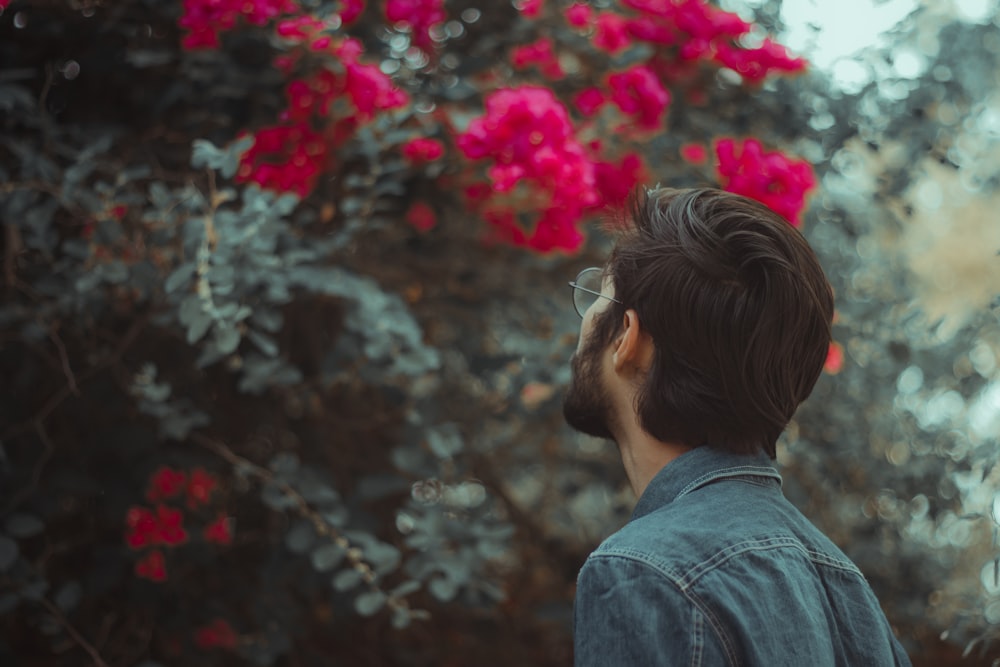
<point x="638" y="92"/>
<point x="419" y="16"/>
<point x="205" y="19"/>
<point x="217" y="634"/>
<point x="770" y="177"/>
<point x="422" y="149"/>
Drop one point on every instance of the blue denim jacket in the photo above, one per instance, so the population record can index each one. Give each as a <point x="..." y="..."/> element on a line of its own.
<point x="716" y="567"/>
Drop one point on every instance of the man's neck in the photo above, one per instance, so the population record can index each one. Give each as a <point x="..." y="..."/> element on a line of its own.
<point x="643" y="456"/>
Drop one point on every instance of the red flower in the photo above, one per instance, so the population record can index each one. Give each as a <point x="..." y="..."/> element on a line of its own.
<point x="694" y="153"/>
<point x="152" y="566"/>
<point x="834" y="359"/>
<point x="419" y="16"/>
<point x="421" y="216"/>
<point x="637" y="91"/>
<point x="579" y="15"/>
<point x="351" y="9"/>
<point x="205" y="19"/>
<point x="217" y="634"/>
<point x="589" y="100"/>
<point x="288" y="158"/>
<point x="530" y="8"/>
<point x="165" y="483"/>
<point x="612" y="32"/>
<point x="219" y="531"/>
<point x="169" y="530"/>
<point x="200" y="487"/>
<point x="755" y="64"/>
<point x="143" y="528"/>
<point x="769" y="177"/>
<point x="616" y="181"/>
<point x="423" y="149"/>
<point x="538" y="53"/>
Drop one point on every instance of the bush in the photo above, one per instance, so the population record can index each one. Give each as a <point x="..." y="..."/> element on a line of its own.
<point x="284" y="326"/>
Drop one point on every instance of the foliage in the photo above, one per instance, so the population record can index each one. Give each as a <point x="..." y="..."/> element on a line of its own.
<point x="282" y="339"/>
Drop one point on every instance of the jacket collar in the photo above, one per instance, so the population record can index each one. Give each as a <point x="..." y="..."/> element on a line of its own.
<point x="696" y="468"/>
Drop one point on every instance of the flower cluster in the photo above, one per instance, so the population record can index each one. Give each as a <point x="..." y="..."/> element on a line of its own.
<point x="694" y="29"/>
<point x="290" y="157"/>
<point x="205" y="19"/>
<point x="778" y="181"/>
<point x="164" y="525"/>
<point x="638" y="92"/>
<point x="419" y="16"/>
<point x="527" y="134"/>
<point x="217" y="634"/>
<point x="423" y="149"/>
<point x="538" y="53"/>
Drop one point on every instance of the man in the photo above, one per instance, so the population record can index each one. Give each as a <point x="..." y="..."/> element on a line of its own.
<point x="708" y="326"/>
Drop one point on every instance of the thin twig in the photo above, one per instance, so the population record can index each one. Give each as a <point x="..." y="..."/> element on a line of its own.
<point x="64" y="360"/>
<point x="77" y="637"/>
<point x="36" y="473"/>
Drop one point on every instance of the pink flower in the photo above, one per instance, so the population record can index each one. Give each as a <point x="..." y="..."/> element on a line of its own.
<point x="351" y="9"/>
<point x="638" y="92"/>
<point x="422" y="149"/>
<point x="612" y="33"/>
<point x="694" y="153"/>
<point x="165" y="483"/>
<point x="538" y="53"/>
<point x="421" y="216"/>
<point x="417" y="15"/>
<point x="205" y="19"/>
<point x="371" y="90"/>
<point x="834" y="358"/>
<point x="287" y="158"/>
<point x="527" y="135"/>
<point x="755" y="64"/>
<point x="217" y="634"/>
<point x="530" y="8"/>
<point x="616" y="181"/>
<point x="772" y="178"/>
<point x="579" y="15"/>
<point x="589" y="100"/>
<point x="152" y="566"/>
<point x="219" y="531"/>
<point x="200" y="487"/>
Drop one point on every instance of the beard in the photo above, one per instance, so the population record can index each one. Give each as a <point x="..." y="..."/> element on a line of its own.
<point x="587" y="406"/>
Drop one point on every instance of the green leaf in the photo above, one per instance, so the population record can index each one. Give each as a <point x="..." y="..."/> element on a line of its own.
<point x="443" y="588"/>
<point x="200" y="323"/>
<point x="405" y="588"/>
<point x="69" y="596"/>
<point x="300" y="537"/>
<point x="8" y="552"/>
<point x="368" y="604"/>
<point x="227" y="339"/>
<point x="327" y="557"/>
<point x="284" y="464"/>
<point x="401" y="618"/>
<point x="24" y="525"/>
<point x="347" y="579"/>
<point x="274" y="497"/>
<point x="265" y="344"/>
<point x="205" y="154"/>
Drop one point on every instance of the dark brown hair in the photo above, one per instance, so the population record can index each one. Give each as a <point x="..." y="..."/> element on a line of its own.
<point x="739" y="310"/>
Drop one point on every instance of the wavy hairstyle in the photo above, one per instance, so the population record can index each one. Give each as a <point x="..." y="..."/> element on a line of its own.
<point x="739" y="310"/>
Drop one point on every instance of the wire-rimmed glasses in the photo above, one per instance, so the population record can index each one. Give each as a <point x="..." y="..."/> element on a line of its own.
<point x="587" y="289"/>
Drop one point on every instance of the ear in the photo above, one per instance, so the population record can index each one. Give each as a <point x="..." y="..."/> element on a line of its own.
<point x="633" y="346"/>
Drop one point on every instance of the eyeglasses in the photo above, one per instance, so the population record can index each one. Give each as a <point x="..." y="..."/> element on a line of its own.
<point x="587" y="289"/>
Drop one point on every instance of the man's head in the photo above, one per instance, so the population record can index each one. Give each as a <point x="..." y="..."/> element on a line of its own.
<point x="737" y="310"/>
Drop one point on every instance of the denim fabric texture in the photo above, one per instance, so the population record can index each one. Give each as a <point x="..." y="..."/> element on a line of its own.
<point x="716" y="567"/>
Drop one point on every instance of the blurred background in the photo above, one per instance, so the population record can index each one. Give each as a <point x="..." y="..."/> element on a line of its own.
<point x="285" y="327"/>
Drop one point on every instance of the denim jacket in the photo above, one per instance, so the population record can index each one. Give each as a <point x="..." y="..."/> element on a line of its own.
<point x="716" y="567"/>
